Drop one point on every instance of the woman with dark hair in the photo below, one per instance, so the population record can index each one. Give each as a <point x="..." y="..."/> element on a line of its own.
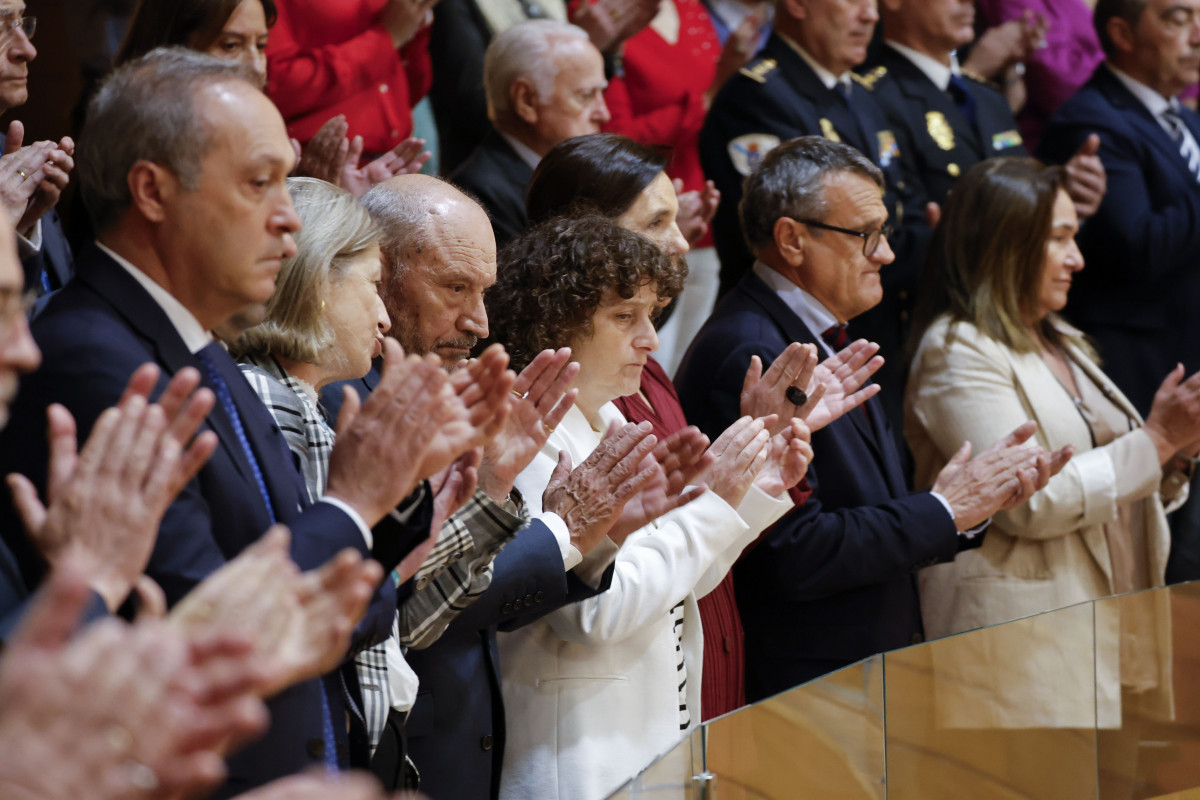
<point x="996" y="354"/>
<point x="234" y="29"/>
<point x="595" y="690"/>
<point x="624" y="181"/>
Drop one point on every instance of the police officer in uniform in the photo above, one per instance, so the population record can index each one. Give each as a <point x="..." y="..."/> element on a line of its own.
<point x="801" y="83"/>
<point x="945" y="119"/>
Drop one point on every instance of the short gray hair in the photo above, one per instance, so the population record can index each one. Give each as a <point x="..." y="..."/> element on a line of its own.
<point x="336" y="230"/>
<point x="146" y="111"/>
<point x="525" y="51"/>
<point x="790" y="182"/>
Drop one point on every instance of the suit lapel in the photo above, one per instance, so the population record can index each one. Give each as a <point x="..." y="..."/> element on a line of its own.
<point x="922" y="93"/>
<point x="805" y="82"/>
<point x="1140" y="118"/>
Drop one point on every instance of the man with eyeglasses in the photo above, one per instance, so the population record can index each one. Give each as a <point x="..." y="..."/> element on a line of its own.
<point x="834" y="581"/>
<point x="31" y="177"/>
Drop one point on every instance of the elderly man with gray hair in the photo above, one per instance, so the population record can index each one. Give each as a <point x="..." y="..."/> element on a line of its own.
<point x="544" y="82"/>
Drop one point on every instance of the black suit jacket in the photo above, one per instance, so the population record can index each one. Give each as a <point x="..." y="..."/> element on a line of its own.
<point x="93" y="334"/>
<point x="498" y="177"/>
<point x="1139" y="293"/>
<point x="456" y="728"/>
<point x="834" y="580"/>
<point x="921" y="115"/>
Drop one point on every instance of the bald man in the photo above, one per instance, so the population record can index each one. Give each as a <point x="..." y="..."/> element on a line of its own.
<point x="439" y="258"/>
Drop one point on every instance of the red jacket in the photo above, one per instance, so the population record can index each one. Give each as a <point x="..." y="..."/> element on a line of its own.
<point x="330" y="57"/>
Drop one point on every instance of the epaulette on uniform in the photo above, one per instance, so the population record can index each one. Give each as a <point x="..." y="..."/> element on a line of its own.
<point x="759" y="70"/>
<point x="869" y="80"/>
<point x="975" y="76"/>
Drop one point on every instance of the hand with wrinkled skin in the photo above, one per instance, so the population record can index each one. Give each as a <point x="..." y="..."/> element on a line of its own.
<point x="324" y="157"/>
<point x="591" y="498"/>
<point x="791" y="453"/>
<point x="1173" y="423"/>
<point x="608" y="23"/>
<point x="739" y="454"/>
<point x="1001" y="477"/>
<point x="482" y="387"/>
<point x="106" y="502"/>
<point x="56" y="174"/>
<point x="402" y="19"/>
<point x="403" y="159"/>
<point x="16" y="189"/>
<point x="383" y="447"/>
<point x="540" y="401"/>
<point x="681" y="459"/>
<point x="300" y="622"/>
<point x="696" y="210"/>
<point x="81" y="712"/>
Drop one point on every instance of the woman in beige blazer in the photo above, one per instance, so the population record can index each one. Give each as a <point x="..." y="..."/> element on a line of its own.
<point x="994" y="353"/>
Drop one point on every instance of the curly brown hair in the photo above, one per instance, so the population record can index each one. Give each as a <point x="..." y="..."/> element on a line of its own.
<point x="552" y="279"/>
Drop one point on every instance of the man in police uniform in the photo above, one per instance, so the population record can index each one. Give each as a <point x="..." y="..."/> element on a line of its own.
<point x="801" y="84"/>
<point x="945" y="119"/>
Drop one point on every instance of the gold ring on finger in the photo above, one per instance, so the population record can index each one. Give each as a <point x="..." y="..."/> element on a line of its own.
<point x="21" y="172"/>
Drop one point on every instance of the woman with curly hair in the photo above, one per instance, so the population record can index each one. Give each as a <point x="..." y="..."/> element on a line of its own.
<point x="597" y="689"/>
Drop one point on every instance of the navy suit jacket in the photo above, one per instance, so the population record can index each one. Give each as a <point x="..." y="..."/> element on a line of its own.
<point x="499" y="177"/>
<point x="93" y="334"/>
<point x="455" y="730"/>
<point x="1140" y="290"/>
<point x="834" y="580"/>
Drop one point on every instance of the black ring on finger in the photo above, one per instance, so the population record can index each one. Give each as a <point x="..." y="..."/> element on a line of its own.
<point x="796" y="396"/>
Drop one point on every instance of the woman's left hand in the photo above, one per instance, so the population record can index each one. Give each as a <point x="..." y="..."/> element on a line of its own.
<point x="791" y="453"/>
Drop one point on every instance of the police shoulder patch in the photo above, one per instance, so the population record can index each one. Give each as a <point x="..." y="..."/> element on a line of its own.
<point x="759" y="70"/>
<point x="746" y="152"/>
<point x="869" y="79"/>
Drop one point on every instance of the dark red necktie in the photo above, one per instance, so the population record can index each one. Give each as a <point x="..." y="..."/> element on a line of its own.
<point x="836" y="337"/>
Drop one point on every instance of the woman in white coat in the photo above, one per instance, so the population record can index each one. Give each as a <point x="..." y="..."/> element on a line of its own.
<point x="998" y="354"/>
<point x="598" y="689"/>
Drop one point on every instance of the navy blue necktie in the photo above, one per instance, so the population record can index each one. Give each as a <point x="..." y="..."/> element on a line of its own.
<point x="221" y="389"/>
<point x="963" y="98"/>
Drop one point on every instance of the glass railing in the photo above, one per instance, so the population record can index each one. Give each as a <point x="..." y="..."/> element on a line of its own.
<point x="1099" y="701"/>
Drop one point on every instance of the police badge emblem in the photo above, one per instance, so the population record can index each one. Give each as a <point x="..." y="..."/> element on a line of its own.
<point x="939" y="129"/>
<point x="746" y="152"/>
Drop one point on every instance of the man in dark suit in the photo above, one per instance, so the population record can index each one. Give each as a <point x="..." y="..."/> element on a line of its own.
<point x="834" y="581"/>
<point x="1139" y="294"/>
<point x="544" y="82"/>
<point x="193" y="219"/>
<point x="947" y="119"/>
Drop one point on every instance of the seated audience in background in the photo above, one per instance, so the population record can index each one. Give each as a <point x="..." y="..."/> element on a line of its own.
<point x="32" y="177"/>
<point x="624" y="181"/>
<point x="670" y="72"/>
<point x="439" y="257"/>
<point x="193" y="219"/>
<point x="363" y="59"/>
<point x="1057" y="65"/>
<point x="993" y="352"/>
<point x="625" y="665"/>
<point x="834" y="582"/>
<point x="239" y="30"/>
<point x="1138" y="297"/>
<point x="544" y="82"/>
<point x="462" y="31"/>
<point x="946" y="119"/>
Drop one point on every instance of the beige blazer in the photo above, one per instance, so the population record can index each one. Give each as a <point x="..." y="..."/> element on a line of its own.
<point x="1050" y="552"/>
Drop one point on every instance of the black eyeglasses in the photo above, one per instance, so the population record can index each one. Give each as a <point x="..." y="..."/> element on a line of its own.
<point x="9" y="25"/>
<point x="871" y="239"/>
